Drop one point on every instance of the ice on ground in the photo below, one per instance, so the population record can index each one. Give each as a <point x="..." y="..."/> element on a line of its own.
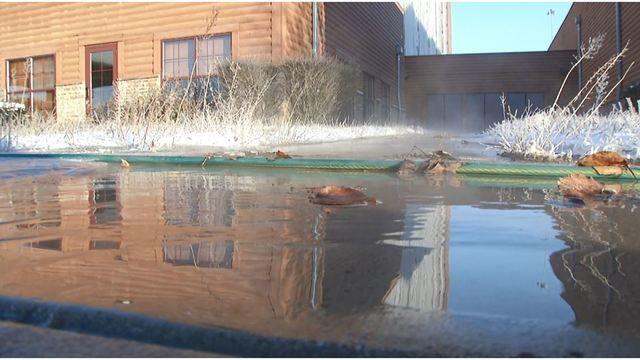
<point x="161" y="137"/>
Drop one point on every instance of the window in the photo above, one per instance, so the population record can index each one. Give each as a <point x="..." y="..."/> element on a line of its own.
<point x="179" y="57"/>
<point x="31" y="82"/>
<point x="368" y="98"/>
<point x="384" y="101"/>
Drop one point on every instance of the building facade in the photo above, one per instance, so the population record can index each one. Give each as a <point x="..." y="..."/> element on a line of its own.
<point x="67" y="57"/>
<point x="618" y="23"/>
<point x="427" y="27"/>
<point x="464" y="93"/>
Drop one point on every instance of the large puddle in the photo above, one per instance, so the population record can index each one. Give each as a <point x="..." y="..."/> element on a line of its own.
<point x="245" y="249"/>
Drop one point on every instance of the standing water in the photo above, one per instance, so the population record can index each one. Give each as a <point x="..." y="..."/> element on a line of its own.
<point x="441" y="265"/>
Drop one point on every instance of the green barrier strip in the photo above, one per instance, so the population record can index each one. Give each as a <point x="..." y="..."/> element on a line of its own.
<point x="325" y="164"/>
<point x="553" y="171"/>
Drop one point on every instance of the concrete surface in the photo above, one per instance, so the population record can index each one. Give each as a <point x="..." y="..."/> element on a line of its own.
<point x="17" y="340"/>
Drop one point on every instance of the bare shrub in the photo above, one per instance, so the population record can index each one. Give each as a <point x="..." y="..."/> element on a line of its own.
<point x="240" y="104"/>
<point x="579" y="127"/>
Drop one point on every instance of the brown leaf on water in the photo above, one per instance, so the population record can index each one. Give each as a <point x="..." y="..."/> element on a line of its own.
<point x="580" y="186"/>
<point x="281" y="155"/>
<point x="338" y="195"/>
<point x="124" y="163"/>
<point x="603" y="158"/>
<point x="609" y="170"/>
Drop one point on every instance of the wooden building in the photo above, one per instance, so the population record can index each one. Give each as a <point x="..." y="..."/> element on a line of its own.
<point x="463" y="93"/>
<point x="618" y="23"/>
<point x="68" y="56"/>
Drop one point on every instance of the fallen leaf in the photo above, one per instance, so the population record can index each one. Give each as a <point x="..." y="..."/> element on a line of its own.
<point x="124" y="163"/>
<point x="580" y="186"/>
<point x="603" y="158"/>
<point x="339" y="195"/>
<point x="281" y="155"/>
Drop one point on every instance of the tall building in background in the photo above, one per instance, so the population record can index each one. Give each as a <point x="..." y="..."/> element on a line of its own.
<point x="427" y="27"/>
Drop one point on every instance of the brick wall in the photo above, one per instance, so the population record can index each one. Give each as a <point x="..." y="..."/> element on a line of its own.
<point x="133" y="88"/>
<point x="70" y="102"/>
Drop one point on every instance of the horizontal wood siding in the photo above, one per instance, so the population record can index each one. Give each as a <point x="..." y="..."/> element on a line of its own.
<point x="365" y="34"/>
<point x="30" y="29"/>
<point x="484" y="73"/>
<point x="600" y="18"/>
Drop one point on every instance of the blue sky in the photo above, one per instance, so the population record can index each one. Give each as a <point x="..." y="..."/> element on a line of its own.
<point x="504" y="27"/>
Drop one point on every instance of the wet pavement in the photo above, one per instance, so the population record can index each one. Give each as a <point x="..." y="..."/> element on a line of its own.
<point x="442" y="265"/>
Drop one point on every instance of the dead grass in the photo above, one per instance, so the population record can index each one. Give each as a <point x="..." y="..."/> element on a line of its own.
<point x="240" y="104"/>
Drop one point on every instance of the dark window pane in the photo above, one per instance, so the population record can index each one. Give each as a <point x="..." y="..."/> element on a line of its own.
<point x="435" y="112"/>
<point x="535" y="101"/>
<point x="44" y="100"/>
<point x="493" y="112"/>
<point x="368" y="98"/>
<point x="19" y="75"/>
<point x="96" y="61"/>
<point x="453" y="112"/>
<point x="43" y="73"/>
<point x="474" y="113"/>
<point x="107" y="60"/>
<point x="96" y="79"/>
<point x="55" y="244"/>
<point x="107" y="78"/>
<point x="104" y="245"/>
<point x="517" y="103"/>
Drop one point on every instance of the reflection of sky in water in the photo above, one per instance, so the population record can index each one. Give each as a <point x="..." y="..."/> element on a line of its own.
<point x="499" y="264"/>
<point x="244" y="249"/>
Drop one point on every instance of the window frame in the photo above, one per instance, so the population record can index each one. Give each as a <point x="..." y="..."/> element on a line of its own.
<point x="384" y="103"/>
<point x="195" y="39"/>
<point x="31" y="91"/>
<point x="368" y="104"/>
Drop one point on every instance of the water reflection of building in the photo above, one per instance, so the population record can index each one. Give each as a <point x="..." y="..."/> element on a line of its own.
<point x="599" y="268"/>
<point x="169" y="243"/>
<point x="424" y="272"/>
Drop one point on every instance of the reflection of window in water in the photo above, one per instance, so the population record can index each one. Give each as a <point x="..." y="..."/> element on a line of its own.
<point x="53" y="244"/>
<point x="104" y="245"/>
<point x="40" y="205"/>
<point x="210" y="254"/>
<point x="191" y="200"/>
<point x="423" y="281"/>
<point x="104" y="201"/>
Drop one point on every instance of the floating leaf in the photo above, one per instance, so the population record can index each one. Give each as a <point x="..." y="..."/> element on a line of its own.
<point x="580" y="186"/>
<point x="339" y="195"/>
<point x="281" y="155"/>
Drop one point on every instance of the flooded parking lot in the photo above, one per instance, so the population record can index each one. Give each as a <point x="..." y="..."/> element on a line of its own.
<point x="441" y="262"/>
